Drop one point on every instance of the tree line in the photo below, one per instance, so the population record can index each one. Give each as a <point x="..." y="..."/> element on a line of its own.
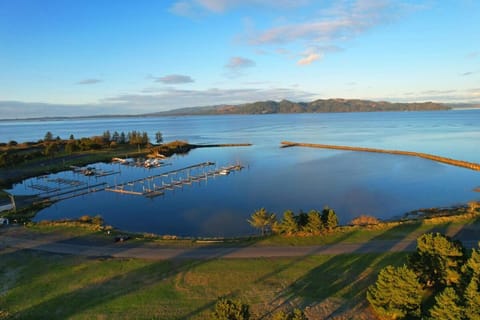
<point x="439" y="281"/>
<point x="14" y="154"/>
<point x="310" y="223"/>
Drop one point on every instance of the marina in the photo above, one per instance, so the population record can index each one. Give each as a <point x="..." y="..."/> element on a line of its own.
<point x="153" y="186"/>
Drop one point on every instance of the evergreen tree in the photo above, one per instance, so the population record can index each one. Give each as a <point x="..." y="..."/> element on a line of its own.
<point x="48" y="136"/>
<point x="397" y="293"/>
<point x="314" y="224"/>
<point x="472" y="299"/>
<point x="158" y="137"/>
<point x="263" y="220"/>
<point x="226" y="309"/>
<point x="116" y="137"/>
<point x="329" y="218"/>
<point x="107" y="137"/>
<point x="123" y="138"/>
<point x="438" y="260"/>
<point x="289" y="224"/>
<point x="446" y="306"/>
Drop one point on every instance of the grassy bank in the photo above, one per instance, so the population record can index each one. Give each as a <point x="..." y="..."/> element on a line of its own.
<point x="39" y="285"/>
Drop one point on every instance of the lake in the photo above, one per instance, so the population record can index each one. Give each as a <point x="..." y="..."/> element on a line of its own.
<point x="352" y="183"/>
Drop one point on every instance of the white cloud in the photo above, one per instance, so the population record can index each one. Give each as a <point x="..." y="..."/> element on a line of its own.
<point x="308" y="59"/>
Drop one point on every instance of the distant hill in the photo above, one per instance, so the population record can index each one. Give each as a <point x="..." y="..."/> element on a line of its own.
<point x="317" y="106"/>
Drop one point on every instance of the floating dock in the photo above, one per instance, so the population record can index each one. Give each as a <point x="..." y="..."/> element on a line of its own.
<point x="157" y="185"/>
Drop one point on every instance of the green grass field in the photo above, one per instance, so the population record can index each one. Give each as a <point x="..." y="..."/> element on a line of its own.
<point x="47" y="286"/>
<point x="37" y="285"/>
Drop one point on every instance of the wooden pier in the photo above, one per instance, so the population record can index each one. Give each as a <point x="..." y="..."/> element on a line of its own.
<point x="453" y="162"/>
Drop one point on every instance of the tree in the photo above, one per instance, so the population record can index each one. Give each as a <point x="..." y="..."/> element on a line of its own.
<point x="123" y="138"/>
<point x="226" y="309"/>
<point x="71" y="146"/>
<point x="397" y="293"/>
<point x="472" y="299"/>
<point x="438" y="260"/>
<point x="158" y="137"/>
<point x="446" y="306"/>
<point x="48" y="136"/>
<point x="50" y="149"/>
<point x="262" y="220"/>
<point x="295" y="314"/>
<point x="106" y="136"/>
<point x="71" y="137"/>
<point x="314" y="224"/>
<point x="288" y="224"/>
<point x="116" y="137"/>
<point x="329" y="218"/>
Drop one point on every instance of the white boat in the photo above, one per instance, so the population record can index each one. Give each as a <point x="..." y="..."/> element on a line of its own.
<point x="224" y="172"/>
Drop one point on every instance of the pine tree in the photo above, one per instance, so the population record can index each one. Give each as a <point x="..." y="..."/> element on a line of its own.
<point x="472" y="299"/>
<point x="446" y="306"/>
<point x="289" y="224"/>
<point x="262" y="220"/>
<point x="314" y="224"/>
<point x="438" y="260"/>
<point x="329" y="218"/>
<point x="397" y="293"/>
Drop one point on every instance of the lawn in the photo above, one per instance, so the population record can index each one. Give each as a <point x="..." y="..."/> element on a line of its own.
<point x="40" y="285"/>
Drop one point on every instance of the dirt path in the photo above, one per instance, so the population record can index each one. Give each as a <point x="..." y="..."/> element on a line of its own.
<point x="20" y="238"/>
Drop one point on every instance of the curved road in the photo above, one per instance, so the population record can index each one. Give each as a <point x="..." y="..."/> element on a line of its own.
<point x="20" y="238"/>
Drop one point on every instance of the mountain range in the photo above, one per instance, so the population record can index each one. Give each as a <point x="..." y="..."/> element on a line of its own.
<point x="316" y="106"/>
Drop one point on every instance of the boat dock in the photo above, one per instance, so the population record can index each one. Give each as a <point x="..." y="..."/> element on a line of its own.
<point x="157" y="185"/>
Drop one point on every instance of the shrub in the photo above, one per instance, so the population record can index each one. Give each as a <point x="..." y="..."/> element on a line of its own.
<point x="227" y="309"/>
<point x="364" y="220"/>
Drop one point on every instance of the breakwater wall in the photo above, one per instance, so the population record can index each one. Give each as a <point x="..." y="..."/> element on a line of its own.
<point x="453" y="162"/>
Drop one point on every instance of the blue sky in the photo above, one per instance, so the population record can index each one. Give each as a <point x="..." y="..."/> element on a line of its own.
<point x="61" y="57"/>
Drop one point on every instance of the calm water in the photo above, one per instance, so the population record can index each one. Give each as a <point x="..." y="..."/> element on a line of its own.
<point x="278" y="179"/>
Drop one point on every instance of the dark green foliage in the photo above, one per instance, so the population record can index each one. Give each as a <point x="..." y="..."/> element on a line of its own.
<point x="288" y="225"/>
<point x="315" y="223"/>
<point x="329" y="218"/>
<point x="48" y="136"/>
<point x="397" y="293"/>
<point x="447" y="306"/>
<point x="226" y="309"/>
<point x="311" y="223"/>
<point x="158" y="137"/>
<point x="439" y="263"/>
<point x="438" y="260"/>
<point x="472" y="299"/>
<point x="295" y="314"/>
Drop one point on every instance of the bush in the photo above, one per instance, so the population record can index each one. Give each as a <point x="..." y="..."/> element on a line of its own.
<point x="227" y="309"/>
<point x="364" y="220"/>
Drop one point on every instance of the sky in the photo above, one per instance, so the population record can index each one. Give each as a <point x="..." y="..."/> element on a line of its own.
<point x="87" y="57"/>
